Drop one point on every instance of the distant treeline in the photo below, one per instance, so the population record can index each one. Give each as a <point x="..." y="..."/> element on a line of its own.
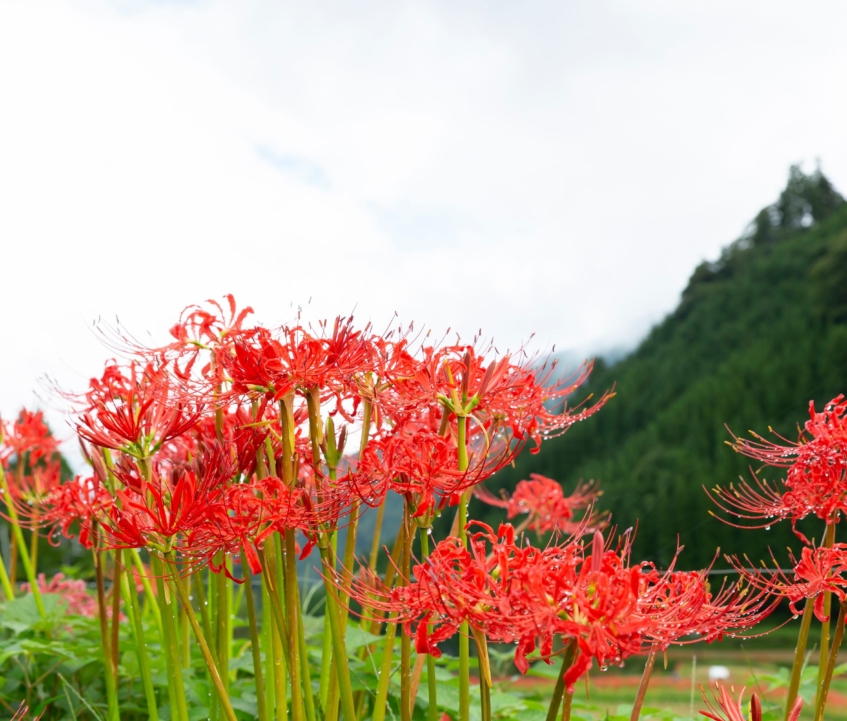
<point x="757" y="334"/>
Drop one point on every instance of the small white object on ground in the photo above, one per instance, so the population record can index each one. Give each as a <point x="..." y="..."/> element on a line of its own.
<point x="718" y="673"/>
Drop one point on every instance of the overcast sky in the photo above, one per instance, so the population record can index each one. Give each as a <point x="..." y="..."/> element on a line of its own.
<point x="557" y="168"/>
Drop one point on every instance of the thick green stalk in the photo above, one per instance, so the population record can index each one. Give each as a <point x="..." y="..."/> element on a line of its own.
<point x="339" y="645"/>
<point x="464" y="640"/>
<point x="484" y="675"/>
<point x="559" y="690"/>
<point x="108" y="661"/>
<point x="432" y="686"/>
<point x="308" y="691"/>
<point x="184" y="627"/>
<point x="8" y="590"/>
<point x="828" y="540"/>
<point x="292" y="655"/>
<point x="255" y="648"/>
<point x="327" y="666"/>
<point x="134" y="612"/>
<point x="567" y="702"/>
<point x="292" y="591"/>
<point x="149" y="596"/>
<point x="217" y="677"/>
<point x="405" y="642"/>
<point x="21" y="545"/>
<point x="116" y="608"/>
<point x="352" y="527"/>
<point x="642" y="687"/>
<point x="222" y="623"/>
<point x="381" y="700"/>
<point x="833" y="657"/>
<point x="178" y="705"/>
<point x="270" y="656"/>
<point x="200" y="592"/>
<point x="799" y="657"/>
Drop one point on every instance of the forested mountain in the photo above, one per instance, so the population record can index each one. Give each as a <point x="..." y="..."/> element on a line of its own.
<point x="757" y="334"/>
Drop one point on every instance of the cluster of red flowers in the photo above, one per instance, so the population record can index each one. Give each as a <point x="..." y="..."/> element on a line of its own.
<point x="72" y="591"/>
<point x="31" y="462"/>
<point x="231" y="432"/>
<point x="583" y="592"/>
<point x="816" y="473"/>
<point x="545" y="505"/>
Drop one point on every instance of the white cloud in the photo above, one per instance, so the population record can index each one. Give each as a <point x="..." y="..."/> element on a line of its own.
<point x="556" y="168"/>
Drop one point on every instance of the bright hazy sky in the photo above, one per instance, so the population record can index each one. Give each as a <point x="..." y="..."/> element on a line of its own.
<point x="557" y="168"/>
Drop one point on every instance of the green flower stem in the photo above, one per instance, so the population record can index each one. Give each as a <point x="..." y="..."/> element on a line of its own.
<point x="406" y="700"/>
<point x="178" y="705"/>
<point x="339" y="645"/>
<point x="432" y="686"/>
<point x="799" y="656"/>
<point x="222" y="623"/>
<point x="381" y="700"/>
<point x="8" y="590"/>
<point x="108" y="661"/>
<point x="255" y="647"/>
<point x="217" y="677"/>
<point x="567" y="702"/>
<point x="292" y="657"/>
<point x="484" y="675"/>
<point x="559" y="690"/>
<point x="184" y="627"/>
<point x="642" y="687"/>
<point x="200" y="592"/>
<point x="352" y="527"/>
<point x="134" y="612"/>
<point x="464" y="633"/>
<point x="270" y="655"/>
<point x="828" y="540"/>
<point x="21" y="545"/>
<point x="149" y="596"/>
<point x="308" y="690"/>
<point x="332" y="709"/>
<point x="292" y="591"/>
<point x="830" y="666"/>
<point x="116" y="608"/>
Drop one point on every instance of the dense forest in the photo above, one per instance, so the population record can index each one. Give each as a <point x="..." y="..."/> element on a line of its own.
<point x="757" y="334"/>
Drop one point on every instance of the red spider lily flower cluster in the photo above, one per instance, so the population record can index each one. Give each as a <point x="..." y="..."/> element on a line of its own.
<point x="72" y="591"/>
<point x="232" y="431"/>
<point x="727" y="707"/>
<point x="574" y="590"/>
<point x="545" y="504"/>
<point x="818" y="571"/>
<point x="816" y="473"/>
<point x="30" y="461"/>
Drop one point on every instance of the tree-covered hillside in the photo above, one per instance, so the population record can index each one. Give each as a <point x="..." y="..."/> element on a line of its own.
<point x="756" y="336"/>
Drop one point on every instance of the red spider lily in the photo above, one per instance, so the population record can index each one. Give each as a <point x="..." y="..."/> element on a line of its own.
<point x="816" y="478"/>
<point x="141" y="418"/>
<point x="28" y="435"/>
<point x="726" y="707"/>
<point x="819" y="571"/>
<point x="545" y="503"/>
<point x="152" y="507"/>
<point x="29" y="490"/>
<point x="497" y="395"/>
<point x="78" y="501"/>
<point x="528" y="596"/>
<point x="417" y="462"/>
<point x="244" y="517"/>
<point x="72" y="591"/>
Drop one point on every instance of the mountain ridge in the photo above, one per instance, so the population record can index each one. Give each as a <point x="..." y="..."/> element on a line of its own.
<point x="757" y="334"/>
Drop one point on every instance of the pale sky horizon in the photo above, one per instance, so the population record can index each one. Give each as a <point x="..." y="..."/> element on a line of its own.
<point x="555" y="168"/>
